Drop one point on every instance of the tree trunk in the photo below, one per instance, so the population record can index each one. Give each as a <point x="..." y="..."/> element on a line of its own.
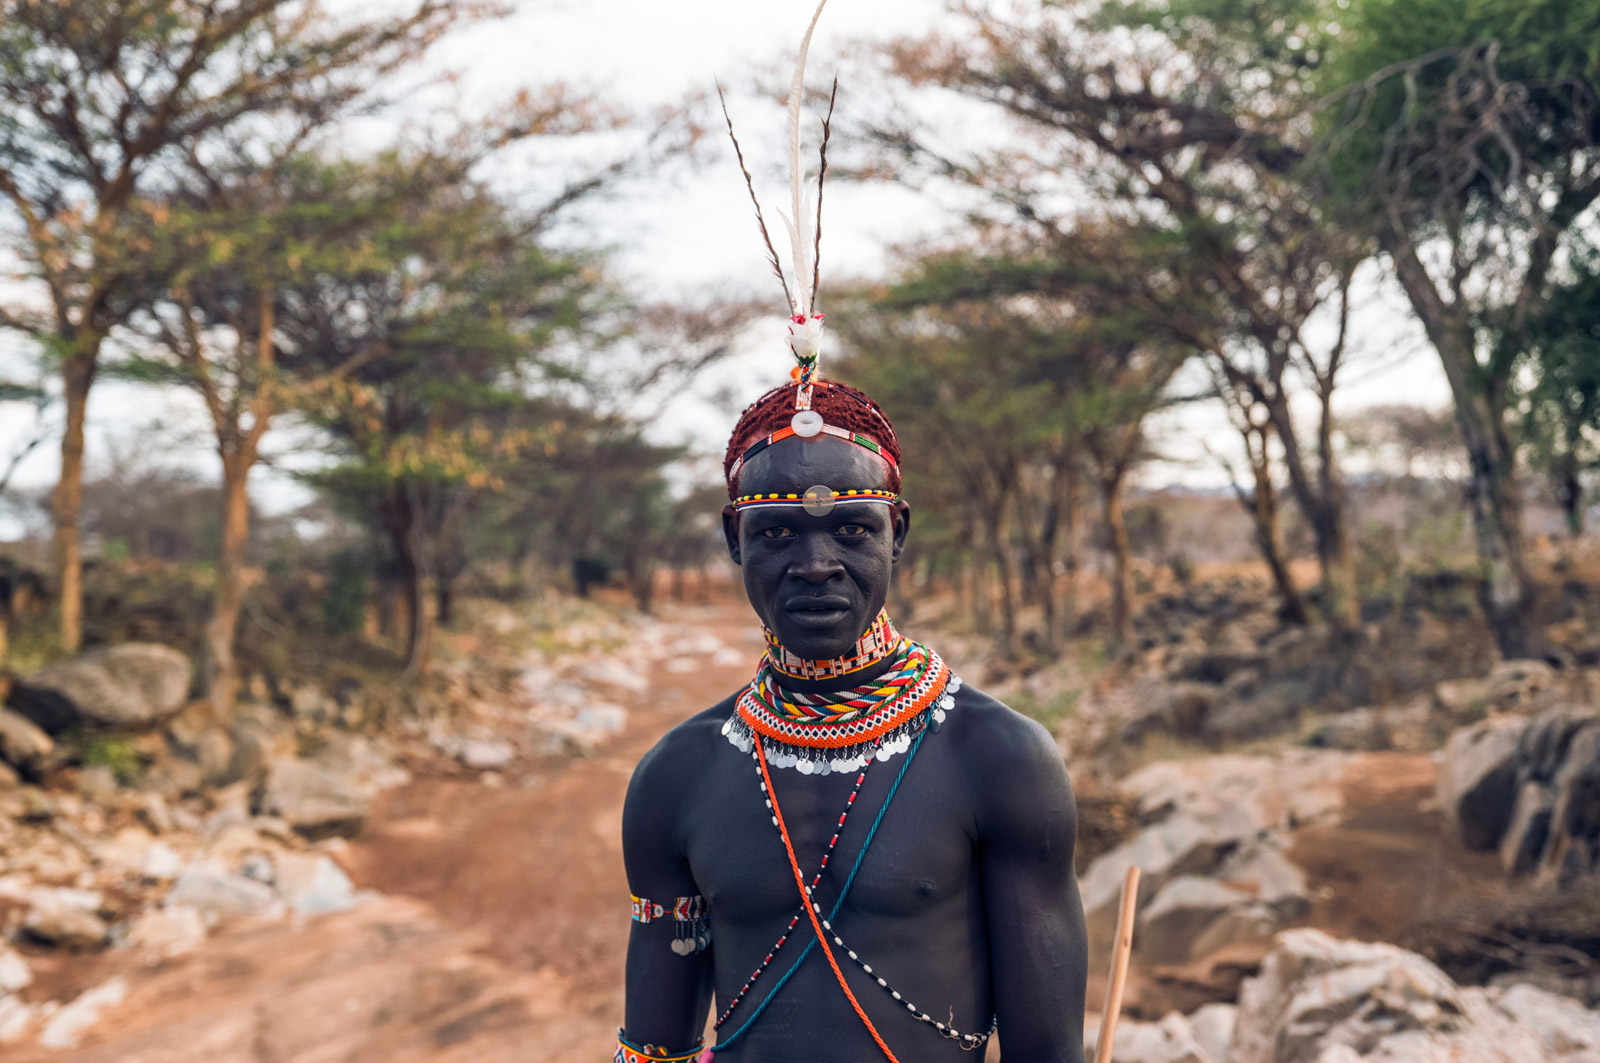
<point x="444" y="599"/>
<point x="1005" y="570"/>
<point x="1322" y="504"/>
<point x="77" y="376"/>
<point x="1263" y="509"/>
<point x="222" y="669"/>
<point x="1121" y="553"/>
<point x="1505" y="589"/>
<point x="1569" y="491"/>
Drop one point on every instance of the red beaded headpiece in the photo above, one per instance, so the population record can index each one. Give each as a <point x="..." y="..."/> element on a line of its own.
<point x="808" y="407"/>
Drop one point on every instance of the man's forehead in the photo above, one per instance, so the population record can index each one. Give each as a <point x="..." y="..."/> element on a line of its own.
<point x="795" y="464"/>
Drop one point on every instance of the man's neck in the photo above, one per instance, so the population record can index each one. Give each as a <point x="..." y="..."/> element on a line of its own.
<point x="873" y="654"/>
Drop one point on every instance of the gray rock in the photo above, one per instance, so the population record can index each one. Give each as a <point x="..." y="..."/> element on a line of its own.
<point x="1177" y="915"/>
<point x="1462" y="697"/>
<point x="312" y="884"/>
<point x="1545" y="743"/>
<point x="56" y="920"/>
<point x="67" y="1026"/>
<point x="16" y="1017"/>
<point x="132" y="687"/>
<point x="1172" y="1040"/>
<point x="166" y="932"/>
<point x="1478" y="780"/>
<point x="314" y="800"/>
<point x="1314" y="991"/>
<point x="1563" y="1027"/>
<point x="485" y="755"/>
<point x="97" y="782"/>
<point x="216" y="893"/>
<point x="1574" y="847"/>
<point x="1529" y="831"/>
<point x="14" y="973"/>
<point x="1213" y="1028"/>
<point x="213" y="755"/>
<point x="1358" y="730"/>
<point x="23" y="743"/>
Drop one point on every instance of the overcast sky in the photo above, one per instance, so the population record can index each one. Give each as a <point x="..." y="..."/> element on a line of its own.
<point x="692" y="232"/>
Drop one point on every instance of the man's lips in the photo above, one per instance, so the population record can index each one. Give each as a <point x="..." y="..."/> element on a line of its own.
<point x="822" y="603"/>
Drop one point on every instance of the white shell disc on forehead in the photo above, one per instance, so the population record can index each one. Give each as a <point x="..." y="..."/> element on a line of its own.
<point x="806" y="423"/>
<point x="818" y="501"/>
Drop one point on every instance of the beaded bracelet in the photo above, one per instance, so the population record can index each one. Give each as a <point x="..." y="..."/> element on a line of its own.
<point x="630" y="1053"/>
<point x="691" y="930"/>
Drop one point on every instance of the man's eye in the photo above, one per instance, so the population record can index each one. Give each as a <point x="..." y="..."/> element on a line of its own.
<point x="777" y="533"/>
<point x="852" y="529"/>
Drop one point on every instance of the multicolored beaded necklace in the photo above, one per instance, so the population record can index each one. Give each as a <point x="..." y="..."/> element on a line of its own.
<point x="817" y="734"/>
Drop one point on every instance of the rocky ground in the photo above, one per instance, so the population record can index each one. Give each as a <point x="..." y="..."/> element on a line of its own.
<point x="1338" y="879"/>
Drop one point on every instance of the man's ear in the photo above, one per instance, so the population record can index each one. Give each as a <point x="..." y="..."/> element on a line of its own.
<point x="730" y="531"/>
<point x="901" y="515"/>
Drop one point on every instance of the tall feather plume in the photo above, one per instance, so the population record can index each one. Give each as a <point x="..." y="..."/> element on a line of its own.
<point x="799" y="223"/>
<point x="822" y="175"/>
<point x="749" y="183"/>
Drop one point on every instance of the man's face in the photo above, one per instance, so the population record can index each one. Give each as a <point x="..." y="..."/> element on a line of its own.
<point x="816" y="582"/>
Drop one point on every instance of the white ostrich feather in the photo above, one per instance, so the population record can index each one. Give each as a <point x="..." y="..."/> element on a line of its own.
<point x="800" y="223"/>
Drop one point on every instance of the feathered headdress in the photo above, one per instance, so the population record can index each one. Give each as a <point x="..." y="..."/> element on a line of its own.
<point x="804" y="223"/>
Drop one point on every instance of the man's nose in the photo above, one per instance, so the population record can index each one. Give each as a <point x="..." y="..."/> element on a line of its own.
<point x="816" y="562"/>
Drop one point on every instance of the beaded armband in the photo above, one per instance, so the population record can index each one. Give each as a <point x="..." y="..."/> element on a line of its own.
<point x="691" y="930"/>
<point x="630" y="1053"/>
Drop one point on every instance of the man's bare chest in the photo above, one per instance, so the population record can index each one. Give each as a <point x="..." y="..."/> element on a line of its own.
<point x="908" y="860"/>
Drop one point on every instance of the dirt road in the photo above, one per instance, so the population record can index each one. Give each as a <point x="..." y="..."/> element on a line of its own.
<point x="500" y="939"/>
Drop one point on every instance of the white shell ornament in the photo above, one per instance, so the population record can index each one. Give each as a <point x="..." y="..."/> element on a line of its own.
<point x="818" y="501"/>
<point x="806" y="423"/>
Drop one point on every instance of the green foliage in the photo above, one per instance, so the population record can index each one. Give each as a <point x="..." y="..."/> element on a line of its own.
<point x="116" y="752"/>
<point x="344" y="605"/>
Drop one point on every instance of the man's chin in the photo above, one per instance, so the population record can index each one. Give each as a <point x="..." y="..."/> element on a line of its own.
<point x="819" y="636"/>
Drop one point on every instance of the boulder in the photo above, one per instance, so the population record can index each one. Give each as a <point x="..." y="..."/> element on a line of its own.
<point x="132" y="687"/>
<point x="23" y="743"/>
<point x="1357" y="730"/>
<point x="163" y="933"/>
<point x="56" y="918"/>
<point x="1477" y="782"/>
<point x="1574" y="847"/>
<point x="1177" y="915"/>
<point x="315" y="800"/>
<point x="1321" y="1000"/>
<point x="312" y="885"/>
<point x="1213" y="1029"/>
<point x="218" y="893"/>
<point x="1172" y="1040"/>
<point x="1529" y="830"/>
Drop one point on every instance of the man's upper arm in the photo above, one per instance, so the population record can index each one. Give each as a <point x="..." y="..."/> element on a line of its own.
<point x="1027" y="827"/>
<point x="668" y="994"/>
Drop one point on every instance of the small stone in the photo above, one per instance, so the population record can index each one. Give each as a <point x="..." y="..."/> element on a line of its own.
<point x="314" y="884"/>
<point x="97" y="782"/>
<point x="22" y="742"/>
<point x="16" y="1016"/>
<point x="66" y="1027"/>
<point x="484" y="755"/>
<point x="154" y="813"/>
<point x="161" y="862"/>
<point x="14" y="973"/>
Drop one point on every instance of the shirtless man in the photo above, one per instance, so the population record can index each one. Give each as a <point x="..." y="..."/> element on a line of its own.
<point x="962" y="915"/>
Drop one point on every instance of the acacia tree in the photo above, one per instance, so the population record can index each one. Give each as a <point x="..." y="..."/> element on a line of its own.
<point x="1176" y="129"/>
<point x="470" y="312"/>
<point x="1559" y="402"/>
<point x="100" y="102"/>
<point x="1466" y="139"/>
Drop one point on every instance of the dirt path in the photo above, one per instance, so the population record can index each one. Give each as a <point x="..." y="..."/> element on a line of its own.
<point x="501" y="938"/>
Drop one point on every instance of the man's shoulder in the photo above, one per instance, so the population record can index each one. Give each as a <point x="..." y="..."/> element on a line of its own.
<point x="988" y="727"/>
<point x="685" y="748"/>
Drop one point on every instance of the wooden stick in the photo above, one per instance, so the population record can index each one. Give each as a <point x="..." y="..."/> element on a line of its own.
<point x="1119" y="967"/>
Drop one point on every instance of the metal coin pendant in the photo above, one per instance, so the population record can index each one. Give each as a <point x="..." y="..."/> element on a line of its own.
<point x="682" y="946"/>
<point x="818" y="501"/>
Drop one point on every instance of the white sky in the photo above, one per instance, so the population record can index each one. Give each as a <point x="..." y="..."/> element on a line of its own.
<point x="692" y="232"/>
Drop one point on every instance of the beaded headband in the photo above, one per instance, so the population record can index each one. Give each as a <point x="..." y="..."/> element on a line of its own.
<point x="817" y="501"/>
